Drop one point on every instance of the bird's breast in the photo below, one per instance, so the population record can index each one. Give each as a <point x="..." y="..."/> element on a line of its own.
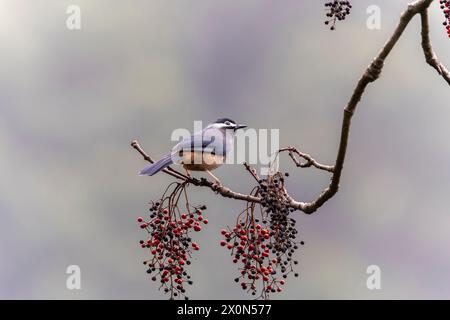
<point x="201" y="161"/>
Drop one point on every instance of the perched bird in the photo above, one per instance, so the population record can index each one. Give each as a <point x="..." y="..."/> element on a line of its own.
<point x="205" y="150"/>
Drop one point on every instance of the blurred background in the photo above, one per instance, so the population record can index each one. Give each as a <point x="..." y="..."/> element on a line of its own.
<point x="71" y="102"/>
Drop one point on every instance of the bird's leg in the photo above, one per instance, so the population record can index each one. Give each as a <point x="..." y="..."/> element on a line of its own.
<point x="217" y="182"/>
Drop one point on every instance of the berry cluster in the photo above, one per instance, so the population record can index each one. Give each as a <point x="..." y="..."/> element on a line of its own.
<point x="336" y="11"/>
<point x="264" y="247"/>
<point x="169" y="242"/>
<point x="276" y="204"/>
<point x="445" y="6"/>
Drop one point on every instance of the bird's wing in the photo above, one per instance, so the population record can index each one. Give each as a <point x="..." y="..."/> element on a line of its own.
<point x="204" y="141"/>
<point x="195" y="143"/>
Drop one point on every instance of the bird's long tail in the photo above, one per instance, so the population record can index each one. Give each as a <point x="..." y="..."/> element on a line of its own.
<point x="157" y="166"/>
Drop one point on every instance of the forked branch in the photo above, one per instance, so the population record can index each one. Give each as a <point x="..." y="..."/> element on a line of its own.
<point x="430" y="56"/>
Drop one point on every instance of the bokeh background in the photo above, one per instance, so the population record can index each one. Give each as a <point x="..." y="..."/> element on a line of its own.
<point x="71" y="102"/>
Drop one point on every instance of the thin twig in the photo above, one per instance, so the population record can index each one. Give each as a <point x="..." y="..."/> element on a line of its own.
<point x="252" y="172"/>
<point x="310" y="161"/>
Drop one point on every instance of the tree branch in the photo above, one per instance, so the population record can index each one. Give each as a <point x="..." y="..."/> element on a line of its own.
<point x="220" y="189"/>
<point x="430" y="56"/>
<point x="371" y="74"/>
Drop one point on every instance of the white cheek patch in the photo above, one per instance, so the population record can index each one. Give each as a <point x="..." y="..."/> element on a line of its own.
<point x="221" y="125"/>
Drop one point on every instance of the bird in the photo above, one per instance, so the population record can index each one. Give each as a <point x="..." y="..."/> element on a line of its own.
<point x="205" y="150"/>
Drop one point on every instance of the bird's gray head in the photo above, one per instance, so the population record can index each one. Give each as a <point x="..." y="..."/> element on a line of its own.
<point x="225" y="123"/>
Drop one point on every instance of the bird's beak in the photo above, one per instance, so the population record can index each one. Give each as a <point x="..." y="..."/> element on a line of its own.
<point x="240" y="126"/>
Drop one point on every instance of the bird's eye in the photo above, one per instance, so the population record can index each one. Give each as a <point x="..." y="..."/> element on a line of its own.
<point x="227" y="123"/>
